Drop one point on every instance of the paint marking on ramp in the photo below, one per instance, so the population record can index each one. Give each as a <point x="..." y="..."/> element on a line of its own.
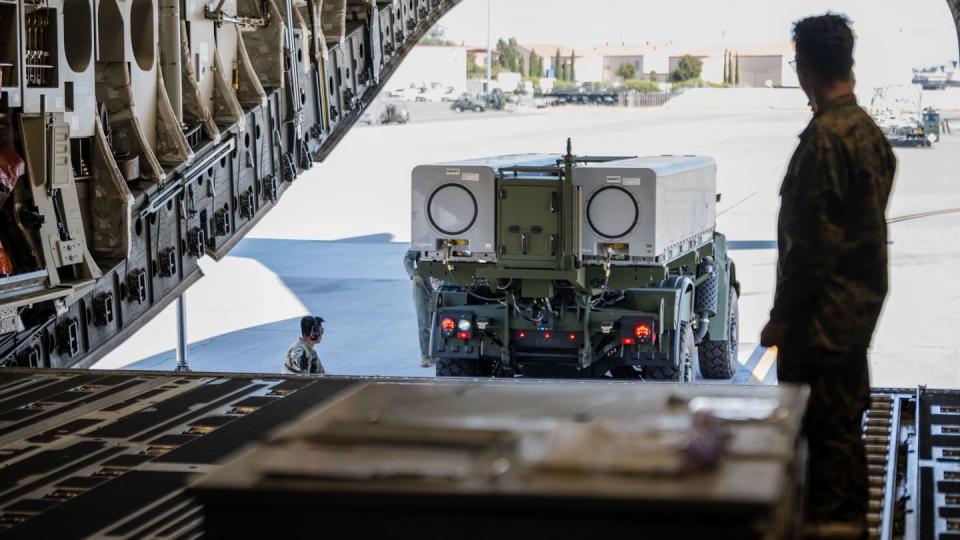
<point x="745" y="372"/>
<point x="763" y="366"/>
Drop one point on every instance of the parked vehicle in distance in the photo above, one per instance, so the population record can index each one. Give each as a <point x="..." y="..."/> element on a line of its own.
<point x="898" y="110"/>
<point x="586" y="99"/>
<point x="429" y="95"/>
<point x="451" y="94"/>
<point x="394" y="113"/>
<point x="467" y="103"/>
<point x="391" y="112"/>
<point x="406" y="94"/>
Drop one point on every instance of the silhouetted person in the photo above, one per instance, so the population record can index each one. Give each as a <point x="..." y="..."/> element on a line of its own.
<point x="832" y="270"/>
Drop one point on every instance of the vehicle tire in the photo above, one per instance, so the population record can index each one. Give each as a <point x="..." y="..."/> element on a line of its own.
<point x="684" y="372"/>
<point x="458" y="108"/>
<point x="478" y="109"/>
<point x="718" y="359"/>
<point x="456" y="367"/>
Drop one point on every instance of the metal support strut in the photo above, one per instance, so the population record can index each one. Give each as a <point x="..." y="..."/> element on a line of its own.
<point x="182" y="334"/>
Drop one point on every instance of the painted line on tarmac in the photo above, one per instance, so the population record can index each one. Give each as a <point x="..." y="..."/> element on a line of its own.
<point x="764" y="366"/>
<point x="771" y="378"/>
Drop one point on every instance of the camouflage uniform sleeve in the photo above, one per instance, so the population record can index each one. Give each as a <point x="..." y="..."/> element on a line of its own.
<point x="813" y="230"/>
<point x="298" y="361"/>
<point x="318" y="365"/>
<point x="410" y="262"/>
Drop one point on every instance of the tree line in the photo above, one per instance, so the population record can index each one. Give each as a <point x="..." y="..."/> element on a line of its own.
<point x="511" y="57"/>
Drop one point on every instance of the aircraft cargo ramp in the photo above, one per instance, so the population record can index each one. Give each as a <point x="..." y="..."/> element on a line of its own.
<point x="111" y="454"/>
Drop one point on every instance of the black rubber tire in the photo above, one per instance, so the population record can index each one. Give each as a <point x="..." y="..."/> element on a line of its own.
<point x="456" y="367"/>
<point x="684" y="372"/>
<point x="718" y="359"/>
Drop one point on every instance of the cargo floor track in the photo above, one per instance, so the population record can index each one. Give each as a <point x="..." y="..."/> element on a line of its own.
<point x="109" y="454"/>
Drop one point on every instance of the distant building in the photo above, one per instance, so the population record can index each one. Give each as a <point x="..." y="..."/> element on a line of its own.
<point x="602" y="62"/>
<point x="479" y="55"/>
<point x="760" y="64"/>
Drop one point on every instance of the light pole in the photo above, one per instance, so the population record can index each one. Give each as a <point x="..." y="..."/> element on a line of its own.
<point x="486" y="86"/>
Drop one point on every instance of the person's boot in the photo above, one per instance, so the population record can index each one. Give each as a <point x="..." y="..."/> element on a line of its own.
<point x="425" y="362"/>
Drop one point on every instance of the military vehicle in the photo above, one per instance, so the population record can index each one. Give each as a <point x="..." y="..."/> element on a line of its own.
<point x="556" y="266"/>
<point x="138" y="136"/>
<point x="931" y="125"/>
<point x="467" y="103"/>
<point x="899" y="112"/>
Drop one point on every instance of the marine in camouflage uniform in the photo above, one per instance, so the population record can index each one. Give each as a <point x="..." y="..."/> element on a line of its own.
<point x="301" y="359"/>
<point x="423" y="288"/>
<point x="831" y="284"/>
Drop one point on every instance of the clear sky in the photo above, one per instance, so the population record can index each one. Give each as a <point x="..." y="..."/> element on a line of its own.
<point x="893" y="35"/>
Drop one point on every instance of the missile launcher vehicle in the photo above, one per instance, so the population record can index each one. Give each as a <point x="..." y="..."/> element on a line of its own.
<point x="569" y="266"/>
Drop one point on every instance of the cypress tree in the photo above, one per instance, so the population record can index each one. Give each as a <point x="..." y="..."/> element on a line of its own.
<point x="726" y="70"/>
<point x="557" y="66"/>
<point x="736" y="71"/>
<point x="573" y="61"/>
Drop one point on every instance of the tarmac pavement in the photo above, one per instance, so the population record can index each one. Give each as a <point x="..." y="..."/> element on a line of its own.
<point x="334" y="244"/>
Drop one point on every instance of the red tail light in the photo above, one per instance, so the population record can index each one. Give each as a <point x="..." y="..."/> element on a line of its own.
<point x="447" y="326"/>
<point x="628" y="341"/>
<point x="463" y="335"/>
<point x="521" y="334"/>
<point x="572" y="337"/>
<point x="643" y="331"/>
<point x="547" y="335"/>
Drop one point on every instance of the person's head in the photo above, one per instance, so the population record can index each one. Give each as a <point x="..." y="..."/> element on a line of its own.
<point x="824" y="53"/>
<point x="311" y="328"/>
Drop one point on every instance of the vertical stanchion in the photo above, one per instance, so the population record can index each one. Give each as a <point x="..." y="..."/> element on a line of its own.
<point x="182" y="364"/>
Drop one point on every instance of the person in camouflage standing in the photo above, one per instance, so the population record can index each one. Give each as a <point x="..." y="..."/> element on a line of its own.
<point x="423" y="288"/>
<point x="832" y="271"/>
<point x="301" y="359"/>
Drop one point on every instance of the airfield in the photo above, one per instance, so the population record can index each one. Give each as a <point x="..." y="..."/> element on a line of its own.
<point x="334" y="245"/>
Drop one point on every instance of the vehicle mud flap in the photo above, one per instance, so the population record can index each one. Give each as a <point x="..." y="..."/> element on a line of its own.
<point x="682" y="370"/>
